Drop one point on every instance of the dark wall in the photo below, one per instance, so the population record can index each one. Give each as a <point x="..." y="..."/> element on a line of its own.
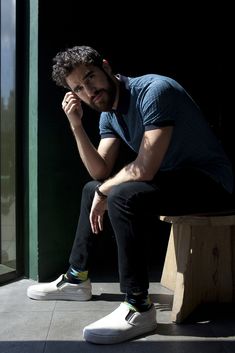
<point x="145" y="39"/>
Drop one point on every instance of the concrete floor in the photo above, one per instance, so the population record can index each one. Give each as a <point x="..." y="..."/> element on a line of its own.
<point x="29" y="326"/>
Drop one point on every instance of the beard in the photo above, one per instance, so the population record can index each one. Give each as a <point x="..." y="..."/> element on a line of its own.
<point x="106" y="102"/>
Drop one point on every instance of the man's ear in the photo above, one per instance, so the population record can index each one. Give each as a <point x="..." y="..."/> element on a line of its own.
<point x="107" y="67"/>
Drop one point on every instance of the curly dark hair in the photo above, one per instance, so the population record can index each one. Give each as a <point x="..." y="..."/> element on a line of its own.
<point x="66" y="61"/>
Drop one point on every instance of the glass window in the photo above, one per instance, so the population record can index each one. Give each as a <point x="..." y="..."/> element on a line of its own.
<point x="7" y="140"/>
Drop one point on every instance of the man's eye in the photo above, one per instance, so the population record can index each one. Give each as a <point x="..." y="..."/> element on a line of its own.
<point x="90" y="76"/>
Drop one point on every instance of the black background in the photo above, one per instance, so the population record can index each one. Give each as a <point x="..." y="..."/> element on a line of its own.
<point x="185" y="41"/>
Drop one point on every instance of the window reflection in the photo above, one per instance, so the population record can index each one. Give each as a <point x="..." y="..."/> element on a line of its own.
<point x="7" y="140"/>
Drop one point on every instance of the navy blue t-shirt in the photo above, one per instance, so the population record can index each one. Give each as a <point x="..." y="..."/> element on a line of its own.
<point x="153" y="101"/>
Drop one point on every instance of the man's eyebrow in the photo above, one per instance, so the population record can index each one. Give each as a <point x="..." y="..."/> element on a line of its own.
<point x="87" y="74"/>
<point x="83" y="79"/>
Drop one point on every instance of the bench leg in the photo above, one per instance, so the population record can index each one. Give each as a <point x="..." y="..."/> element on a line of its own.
<point x="199" y="267"/>
<point x="168" y="278"/>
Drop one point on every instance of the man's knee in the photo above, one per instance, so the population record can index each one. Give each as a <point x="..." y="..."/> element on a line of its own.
<point x="118" y="190"/>
<point x="119" y="195"/>
<point x="89" y="188"/>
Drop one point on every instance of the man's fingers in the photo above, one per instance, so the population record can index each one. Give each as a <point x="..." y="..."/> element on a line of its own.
<point x="100" y="222"/>
<point x="94" y="224"/>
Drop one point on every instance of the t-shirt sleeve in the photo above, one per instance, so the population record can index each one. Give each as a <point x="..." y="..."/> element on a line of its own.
<point x="158" y="107"/>
<point x="105" y="127"/>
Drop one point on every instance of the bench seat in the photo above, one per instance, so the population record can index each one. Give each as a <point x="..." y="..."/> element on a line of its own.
<point x="199" y="265"/>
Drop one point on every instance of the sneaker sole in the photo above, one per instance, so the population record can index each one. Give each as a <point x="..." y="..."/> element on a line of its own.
<point x="109" y="339"/>
<point x="59" y="296"/>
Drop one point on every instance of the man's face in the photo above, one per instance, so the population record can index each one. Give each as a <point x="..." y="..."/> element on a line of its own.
<point x="94" y="86"/>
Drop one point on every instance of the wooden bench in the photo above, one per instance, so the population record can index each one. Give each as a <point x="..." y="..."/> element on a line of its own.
<point x="200" y="261"/>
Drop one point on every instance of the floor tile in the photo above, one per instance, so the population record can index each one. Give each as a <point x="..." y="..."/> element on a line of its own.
<point x="24" y="325"/>
<point x="30" y="326"/>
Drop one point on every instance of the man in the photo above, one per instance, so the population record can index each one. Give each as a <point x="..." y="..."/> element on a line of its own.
<point x="180" y="167"/>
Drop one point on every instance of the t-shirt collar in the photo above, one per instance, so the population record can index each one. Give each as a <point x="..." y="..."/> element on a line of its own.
<point x="124" y="95"/>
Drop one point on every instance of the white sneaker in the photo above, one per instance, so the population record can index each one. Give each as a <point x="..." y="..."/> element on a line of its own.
<point x="121" y="325"/>
<point x="60" y="290"/>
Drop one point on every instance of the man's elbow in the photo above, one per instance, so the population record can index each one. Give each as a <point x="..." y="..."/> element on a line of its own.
<point x="99" y="174"/>
<point x="146" y="175"/>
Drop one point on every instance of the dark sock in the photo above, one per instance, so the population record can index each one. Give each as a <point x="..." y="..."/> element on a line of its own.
<point x="139" y="301"/>
<point x="76" y="276"/>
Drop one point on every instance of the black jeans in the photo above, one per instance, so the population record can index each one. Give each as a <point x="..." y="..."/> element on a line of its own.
<point x="131" y="204"/>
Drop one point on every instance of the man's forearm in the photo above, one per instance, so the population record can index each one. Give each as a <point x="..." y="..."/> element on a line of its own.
<point x="131" y="172"/>
<point x="92" y="160"/>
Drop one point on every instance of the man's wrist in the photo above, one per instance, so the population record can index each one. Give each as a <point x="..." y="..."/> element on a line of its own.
<point x="100" y="193"/>
<point x="75" y="127"/>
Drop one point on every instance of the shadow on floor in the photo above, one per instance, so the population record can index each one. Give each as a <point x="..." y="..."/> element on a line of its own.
<point x="128" y="347"/>
<point x="208" y="320"/>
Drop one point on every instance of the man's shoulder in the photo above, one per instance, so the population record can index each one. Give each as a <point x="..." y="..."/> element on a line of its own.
<point x="150" y="85"/>
<point x="145" y="78"/>
<point x="149" y="80"/>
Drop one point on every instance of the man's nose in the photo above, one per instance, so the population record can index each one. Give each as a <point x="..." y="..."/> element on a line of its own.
<point x="90" y="90"/>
